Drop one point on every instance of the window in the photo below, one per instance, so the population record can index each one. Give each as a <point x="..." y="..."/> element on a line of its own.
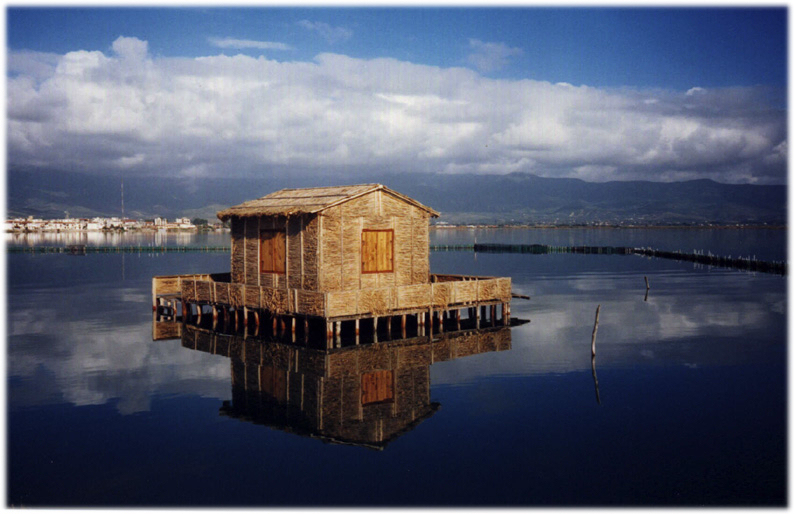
<point x="377" y="251"/>
<point x="377" y="387"/>
<point x="272" y="251"/>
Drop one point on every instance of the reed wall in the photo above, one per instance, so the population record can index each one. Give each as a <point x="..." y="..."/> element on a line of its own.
<point x="323" y="251"/>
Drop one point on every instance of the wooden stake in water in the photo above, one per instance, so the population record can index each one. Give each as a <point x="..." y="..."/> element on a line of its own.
<point x="595" y="330"/>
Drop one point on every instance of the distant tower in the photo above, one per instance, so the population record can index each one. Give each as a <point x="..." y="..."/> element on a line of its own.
<point x="122" y="197"/>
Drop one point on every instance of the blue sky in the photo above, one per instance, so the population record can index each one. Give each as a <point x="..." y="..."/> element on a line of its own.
<point x="692" y="92"/>
<point x="653" y="47"/>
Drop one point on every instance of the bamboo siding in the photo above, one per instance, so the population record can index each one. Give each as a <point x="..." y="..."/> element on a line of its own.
<point x="445" y="292"/>
<point x="325" y="246"/>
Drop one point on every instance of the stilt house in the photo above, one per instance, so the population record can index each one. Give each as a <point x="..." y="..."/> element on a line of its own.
<point x="334" y="254"/>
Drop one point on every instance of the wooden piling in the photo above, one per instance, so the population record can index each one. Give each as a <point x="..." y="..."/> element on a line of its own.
<point x="595" y="330"/>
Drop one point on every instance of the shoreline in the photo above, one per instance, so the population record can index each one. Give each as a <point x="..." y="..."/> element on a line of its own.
<point x="443" y="227"/>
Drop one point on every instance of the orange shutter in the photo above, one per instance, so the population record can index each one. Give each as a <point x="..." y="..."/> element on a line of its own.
<point x="280" y="252"/>
<point x="266" y="252"/>
<point x="377" y="251"/>
<point x="273" y="252"/>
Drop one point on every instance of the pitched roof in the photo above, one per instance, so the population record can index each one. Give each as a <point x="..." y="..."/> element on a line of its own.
<point x="287" y="202"/>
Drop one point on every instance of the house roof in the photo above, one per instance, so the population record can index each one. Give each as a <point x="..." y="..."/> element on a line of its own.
<point x="288" y="202"/>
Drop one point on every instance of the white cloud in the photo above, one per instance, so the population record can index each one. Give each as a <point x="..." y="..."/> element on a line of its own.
<point x="242" y="44"/>
<point x="491" y="56"/>
<point x="225" y="115"/>
<point x="326" y="31"/>
<point x="131" y="48"/>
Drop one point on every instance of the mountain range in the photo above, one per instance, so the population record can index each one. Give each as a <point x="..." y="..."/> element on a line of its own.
<point x="515" y="198"/>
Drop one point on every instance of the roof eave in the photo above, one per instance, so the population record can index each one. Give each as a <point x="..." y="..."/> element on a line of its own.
<point x="241" y="212"/>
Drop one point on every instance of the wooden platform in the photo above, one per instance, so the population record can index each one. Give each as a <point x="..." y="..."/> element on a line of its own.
<point x="483" y="298"/>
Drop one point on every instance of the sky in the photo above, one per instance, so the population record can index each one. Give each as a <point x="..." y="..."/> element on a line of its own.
<point x="662" y="94"/>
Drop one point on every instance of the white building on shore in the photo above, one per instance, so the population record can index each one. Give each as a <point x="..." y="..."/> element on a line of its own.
<point x="31" y="224"/>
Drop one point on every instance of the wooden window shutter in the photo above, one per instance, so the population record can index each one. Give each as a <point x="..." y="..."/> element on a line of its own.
<point x="377" y="251"/>
<point x="273" y="251"/>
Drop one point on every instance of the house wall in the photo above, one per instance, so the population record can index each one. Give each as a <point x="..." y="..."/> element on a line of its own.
<point x="324" y="250"/>
<point x="302" y="234"/>
<point x="340" y="243"/>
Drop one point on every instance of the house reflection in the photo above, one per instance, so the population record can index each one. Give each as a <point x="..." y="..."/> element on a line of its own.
<point x="365" y="395"/>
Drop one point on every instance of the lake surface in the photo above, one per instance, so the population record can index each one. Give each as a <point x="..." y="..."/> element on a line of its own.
<point x="686" y="403"/>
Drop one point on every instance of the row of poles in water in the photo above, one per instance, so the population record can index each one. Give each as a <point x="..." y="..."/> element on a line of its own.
<point x="743" y="263"/>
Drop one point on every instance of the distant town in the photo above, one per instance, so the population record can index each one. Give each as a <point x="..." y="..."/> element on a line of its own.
<point x="35" y="225"/>
<point x="31" y="225"/>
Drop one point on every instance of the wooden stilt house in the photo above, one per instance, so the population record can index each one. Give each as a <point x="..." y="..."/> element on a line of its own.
<point x="337" y="254"/>
<point x="327" y="239"/>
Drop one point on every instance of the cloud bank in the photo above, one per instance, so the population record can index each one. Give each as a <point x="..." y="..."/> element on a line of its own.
<point x="238" y="115"/>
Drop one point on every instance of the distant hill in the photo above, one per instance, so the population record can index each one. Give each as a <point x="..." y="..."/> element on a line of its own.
<point x="512" y="198"/>
<point x="521" y="197"/>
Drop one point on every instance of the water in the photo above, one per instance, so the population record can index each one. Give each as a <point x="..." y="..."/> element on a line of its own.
<point x="764" y="244"/>
<point x="691" y="382"/>
<point x="137" y="238"/>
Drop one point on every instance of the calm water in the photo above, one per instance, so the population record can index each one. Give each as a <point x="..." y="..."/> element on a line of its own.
<point x="691" y="382"/>
<point x="764" y="244"/>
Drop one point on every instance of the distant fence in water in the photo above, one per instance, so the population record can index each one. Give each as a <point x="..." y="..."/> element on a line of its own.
<point x="84" y="249"/>
<point x="743" y="263"/>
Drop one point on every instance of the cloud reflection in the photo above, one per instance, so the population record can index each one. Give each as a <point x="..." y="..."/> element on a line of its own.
<point x="89" y="342"/>
<point x="95" y="347"/>
<point x="691" y="319"/>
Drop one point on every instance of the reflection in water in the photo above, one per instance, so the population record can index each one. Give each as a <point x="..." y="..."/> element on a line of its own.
<point x="694" y="396"/>
<point x="595" y="380"/>
<point x="114" y="238"/>
<point x="364" y="395"/>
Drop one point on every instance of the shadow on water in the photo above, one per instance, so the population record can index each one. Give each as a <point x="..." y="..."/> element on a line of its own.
<point x="365" y="395"/>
